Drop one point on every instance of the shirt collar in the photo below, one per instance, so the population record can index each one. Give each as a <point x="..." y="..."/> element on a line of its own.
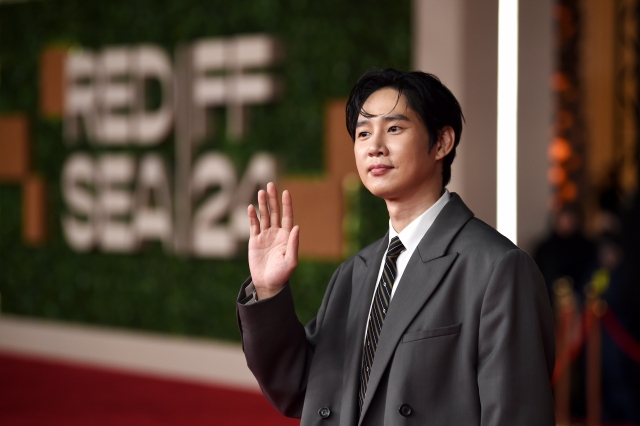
<point x="413" y="233"/>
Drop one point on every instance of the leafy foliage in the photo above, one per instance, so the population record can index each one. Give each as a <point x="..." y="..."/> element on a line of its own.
<point x="328" y="45"/>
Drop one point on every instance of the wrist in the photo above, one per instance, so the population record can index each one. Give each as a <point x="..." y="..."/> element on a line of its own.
<point x="265" y="293"/>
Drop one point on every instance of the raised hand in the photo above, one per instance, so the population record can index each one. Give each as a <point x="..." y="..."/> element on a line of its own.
<point x="273" y="247"/>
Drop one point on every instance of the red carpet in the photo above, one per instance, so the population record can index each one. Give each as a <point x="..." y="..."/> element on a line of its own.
<point x="36" y="392"/>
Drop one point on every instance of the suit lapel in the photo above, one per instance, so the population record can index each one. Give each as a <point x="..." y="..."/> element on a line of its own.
<point x="365" y="272"/>
<point x="426" y="268"/>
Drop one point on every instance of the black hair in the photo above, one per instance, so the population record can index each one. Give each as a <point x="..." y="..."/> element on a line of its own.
<point x="425" y="95"/>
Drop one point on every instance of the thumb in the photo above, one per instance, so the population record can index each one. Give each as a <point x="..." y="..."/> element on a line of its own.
<point x="292" y="246"/>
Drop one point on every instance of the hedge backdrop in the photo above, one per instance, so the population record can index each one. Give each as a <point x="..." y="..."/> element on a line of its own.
<point x="328" y="45"/>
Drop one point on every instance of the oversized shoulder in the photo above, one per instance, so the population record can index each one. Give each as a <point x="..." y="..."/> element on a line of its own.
<point x="494" y="258"/>
<point x="482" y="246"/>
<point x="478" y="246"/>
<point x="457" y="230"/>
<point x="477" y="237"/>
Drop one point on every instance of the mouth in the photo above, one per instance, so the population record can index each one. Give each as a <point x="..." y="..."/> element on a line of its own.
<point x="378" y="169"/>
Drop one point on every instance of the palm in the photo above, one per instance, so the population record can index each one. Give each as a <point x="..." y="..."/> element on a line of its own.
<point x="267" y="256"/>
<point x="272" y="247"/>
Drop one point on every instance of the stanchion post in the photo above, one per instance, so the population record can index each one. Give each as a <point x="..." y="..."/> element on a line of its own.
<point x="565" y="313"/>
<point x="595" y="308"/>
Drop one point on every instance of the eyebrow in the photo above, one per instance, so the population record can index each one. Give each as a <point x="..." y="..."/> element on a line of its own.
<point x="395" y="117"/>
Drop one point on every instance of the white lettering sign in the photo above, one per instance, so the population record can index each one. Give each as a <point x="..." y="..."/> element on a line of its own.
<point x="117" y="201"/>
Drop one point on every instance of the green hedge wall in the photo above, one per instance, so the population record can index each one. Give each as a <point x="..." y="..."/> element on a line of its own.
<point x="328" y="45"/>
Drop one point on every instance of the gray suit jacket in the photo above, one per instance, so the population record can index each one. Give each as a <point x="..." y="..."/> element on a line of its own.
<point x="468" y="338"/>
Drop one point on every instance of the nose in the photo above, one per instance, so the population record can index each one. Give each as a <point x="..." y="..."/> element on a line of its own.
<point x="377" y="146"/>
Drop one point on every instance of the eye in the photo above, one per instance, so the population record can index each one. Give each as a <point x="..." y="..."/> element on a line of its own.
<point x="363" y="134"/>
<point x="394" y="129"/>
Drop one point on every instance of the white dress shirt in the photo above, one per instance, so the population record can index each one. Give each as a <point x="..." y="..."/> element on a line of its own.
<point x="410" y="238"/>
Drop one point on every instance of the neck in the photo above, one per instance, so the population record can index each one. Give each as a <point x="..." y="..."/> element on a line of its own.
<point x="403" y="212"/>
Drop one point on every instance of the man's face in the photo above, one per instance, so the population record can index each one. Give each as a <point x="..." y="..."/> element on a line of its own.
<point x="392" y="149"/>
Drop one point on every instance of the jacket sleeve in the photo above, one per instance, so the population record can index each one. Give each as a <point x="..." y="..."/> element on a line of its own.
<point x="278" y="349"/>
<point x="516" y="346"/>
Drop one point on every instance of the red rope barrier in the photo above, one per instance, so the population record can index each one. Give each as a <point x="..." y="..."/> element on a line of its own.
<point x="612" y="325"/>
<point x="572" y="350"/>
<point x="620" y="336"/>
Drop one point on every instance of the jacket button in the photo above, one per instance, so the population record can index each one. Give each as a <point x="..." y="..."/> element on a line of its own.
<point x="405" y="410"/>
<point x="324" y="412"/>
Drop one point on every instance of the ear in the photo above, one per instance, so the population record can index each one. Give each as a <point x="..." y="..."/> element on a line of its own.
<point x="446" y="140"/>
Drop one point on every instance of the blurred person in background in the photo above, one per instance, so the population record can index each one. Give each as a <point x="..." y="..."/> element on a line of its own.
<point x="566" y="251"/>
<point x="617" y="278"/>
<point x="614" y="276"/>
<point x="608" y="280"/>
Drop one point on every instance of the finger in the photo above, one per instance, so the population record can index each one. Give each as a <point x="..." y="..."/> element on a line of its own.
<point x="287" y="211"/>
<point x="254" y="223"/>
<point x="264" y="210"/>
<point x="274" y="207"/>
<point x="291" y="255"/>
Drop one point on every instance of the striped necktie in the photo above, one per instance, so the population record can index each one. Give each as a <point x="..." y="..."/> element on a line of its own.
<point x="378" y="312"/>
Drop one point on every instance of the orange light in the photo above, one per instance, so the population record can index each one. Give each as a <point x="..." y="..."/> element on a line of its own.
<point x="556" y="175"/>
<point x="560" y="82"/>
<point x="568" y="192"/>
<point x="560" y="150"/>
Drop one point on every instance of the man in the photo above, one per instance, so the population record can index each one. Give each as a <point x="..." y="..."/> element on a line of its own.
<point x="442" y="322"/>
